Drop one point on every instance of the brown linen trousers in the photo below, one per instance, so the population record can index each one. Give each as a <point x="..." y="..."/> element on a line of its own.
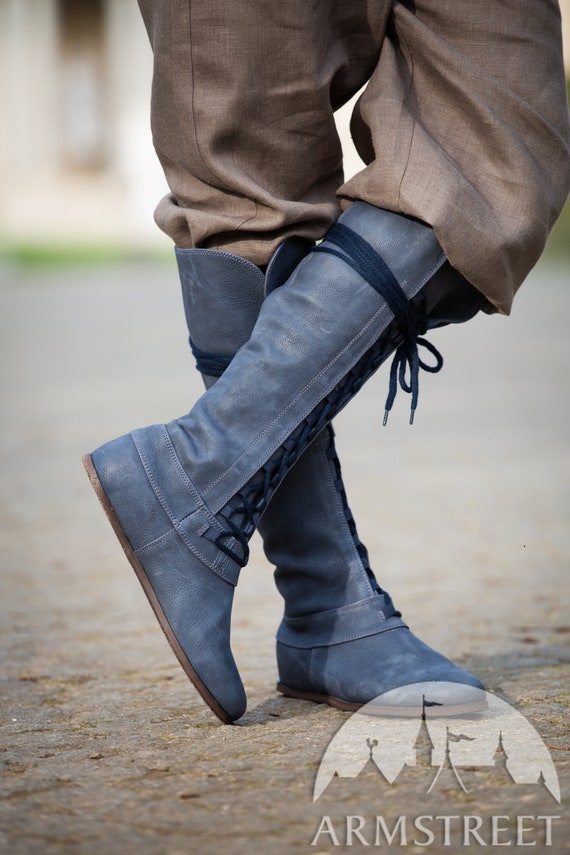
<point x="463" y="123"/>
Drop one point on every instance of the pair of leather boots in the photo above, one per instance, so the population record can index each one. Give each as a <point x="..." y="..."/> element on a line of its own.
<point x="281" y="354"/>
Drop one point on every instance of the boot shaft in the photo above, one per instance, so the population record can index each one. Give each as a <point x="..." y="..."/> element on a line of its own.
<point x="308" y="336"/>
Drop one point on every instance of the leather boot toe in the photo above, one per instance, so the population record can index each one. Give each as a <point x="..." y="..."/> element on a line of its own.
<point x="391" y="671"/>
<point x="192" y="603"/>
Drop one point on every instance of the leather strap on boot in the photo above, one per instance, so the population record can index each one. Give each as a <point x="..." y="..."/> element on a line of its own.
<point x="411" y="323"/>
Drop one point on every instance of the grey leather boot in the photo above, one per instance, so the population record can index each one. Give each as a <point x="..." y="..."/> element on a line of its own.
<point x="308" y="532"/>
<point x="184" y="498"/>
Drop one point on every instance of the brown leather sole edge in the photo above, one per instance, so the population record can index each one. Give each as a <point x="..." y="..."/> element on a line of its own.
<point x="406" y="712"/>
<point x="151" y="596"/>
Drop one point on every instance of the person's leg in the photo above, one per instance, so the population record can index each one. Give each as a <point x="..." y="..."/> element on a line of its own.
<point x="308" y="531"/>
<point x="185" y="497"/>
<point x="302" y="315"/>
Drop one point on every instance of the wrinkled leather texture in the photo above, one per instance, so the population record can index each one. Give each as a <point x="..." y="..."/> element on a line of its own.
<point x="306" y="537"/>
<point x="387" y="661"/>
<point x="344" y="623"/>
<point x="222" y="295"/>
<point x="162" y="519"/>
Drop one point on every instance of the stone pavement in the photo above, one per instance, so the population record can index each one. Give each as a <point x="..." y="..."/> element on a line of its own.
<point x="106" y="749"/>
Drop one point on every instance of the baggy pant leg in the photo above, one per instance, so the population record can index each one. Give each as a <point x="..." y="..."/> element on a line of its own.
<point x="242" y="114"/>
<point x="464" y="124"/>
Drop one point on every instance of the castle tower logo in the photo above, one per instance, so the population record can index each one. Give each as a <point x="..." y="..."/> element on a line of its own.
<point x="442" y="754"/>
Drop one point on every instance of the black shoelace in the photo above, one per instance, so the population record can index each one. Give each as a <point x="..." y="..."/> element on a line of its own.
<point x="358" y="254"/>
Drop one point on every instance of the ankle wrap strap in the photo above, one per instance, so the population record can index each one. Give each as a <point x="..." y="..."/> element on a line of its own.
<point x="356" y="620"/>
<point x="212" y="364"/>
<point x="358" y="254"/>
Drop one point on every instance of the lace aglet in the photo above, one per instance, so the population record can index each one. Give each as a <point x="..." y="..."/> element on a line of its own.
<point x="385" y="420"/>
<point x="412" y="414"/>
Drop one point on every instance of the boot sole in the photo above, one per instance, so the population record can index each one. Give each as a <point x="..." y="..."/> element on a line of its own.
<point x="151" y="596"/>
<point x="406" y="712"/>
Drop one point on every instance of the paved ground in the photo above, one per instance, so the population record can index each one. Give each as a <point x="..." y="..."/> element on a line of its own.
<point x="106" y="748"/>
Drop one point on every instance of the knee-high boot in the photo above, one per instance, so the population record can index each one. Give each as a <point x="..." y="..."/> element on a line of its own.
<point x="309" y="534"/>
<point x="184" y="498"/>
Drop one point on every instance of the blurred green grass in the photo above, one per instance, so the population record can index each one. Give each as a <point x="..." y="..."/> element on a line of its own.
<point x="63" y="255"/>
<point x="56" y="254"/>
<point x="52" y="255"/>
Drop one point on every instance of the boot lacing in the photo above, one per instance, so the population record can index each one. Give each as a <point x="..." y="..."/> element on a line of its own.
<point x="358" y="254"/>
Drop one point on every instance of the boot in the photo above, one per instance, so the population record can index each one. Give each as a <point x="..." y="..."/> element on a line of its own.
<point x="184" y="498"/>
<point x="308" y="531"/>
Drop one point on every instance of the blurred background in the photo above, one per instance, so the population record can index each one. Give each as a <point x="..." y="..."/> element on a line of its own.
<point x="77" y="168"/>
<point x="76" y="160"/>
<point x="105" y="747"/>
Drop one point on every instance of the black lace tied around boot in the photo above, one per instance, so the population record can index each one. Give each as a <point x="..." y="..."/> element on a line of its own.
<point x="212" y="364"/>
<point x="403" y="336"/>
<point x="358" y="253"/>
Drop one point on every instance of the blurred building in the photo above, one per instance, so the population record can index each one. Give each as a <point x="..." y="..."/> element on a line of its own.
<point x="76" y="159"/>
